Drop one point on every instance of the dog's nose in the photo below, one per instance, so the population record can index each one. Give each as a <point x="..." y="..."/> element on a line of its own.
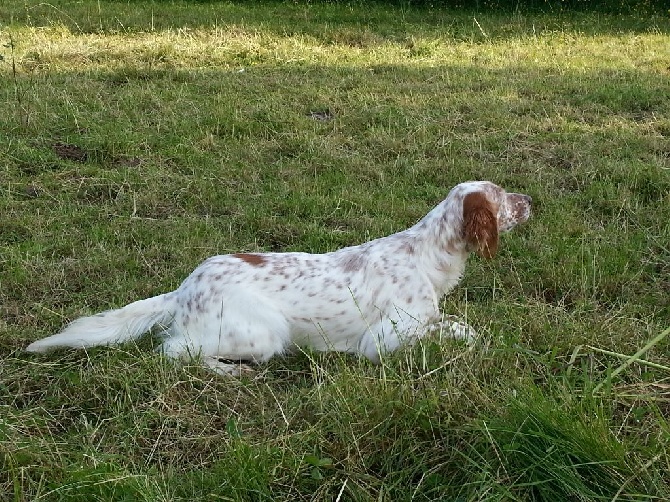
<point x="528" y="198"/>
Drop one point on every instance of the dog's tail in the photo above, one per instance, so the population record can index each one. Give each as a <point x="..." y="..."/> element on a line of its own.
<point x="112" y="326"/>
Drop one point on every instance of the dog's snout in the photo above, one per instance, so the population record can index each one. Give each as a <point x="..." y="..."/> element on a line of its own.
<point x="528" y="199"/>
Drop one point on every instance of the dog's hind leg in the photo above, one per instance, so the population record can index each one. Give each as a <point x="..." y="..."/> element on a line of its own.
<point x="245" y="327"/>
<point x="226" y="367"/>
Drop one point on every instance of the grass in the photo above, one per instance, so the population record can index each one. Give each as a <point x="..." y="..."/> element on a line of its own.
<point x="139" y="138"/>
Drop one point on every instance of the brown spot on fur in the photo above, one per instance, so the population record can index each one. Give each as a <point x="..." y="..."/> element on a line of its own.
<point x="480" y="224"/>
<point x="199" y="304"/>
<point x="257" y="260"/>
<point x="353" y="262"/>
<point x="408" y="248"/>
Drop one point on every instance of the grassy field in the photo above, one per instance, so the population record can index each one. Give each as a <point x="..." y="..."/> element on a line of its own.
<point x="138" y="138"/>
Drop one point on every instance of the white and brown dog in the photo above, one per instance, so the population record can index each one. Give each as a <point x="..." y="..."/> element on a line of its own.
<point x="367" y="299"/>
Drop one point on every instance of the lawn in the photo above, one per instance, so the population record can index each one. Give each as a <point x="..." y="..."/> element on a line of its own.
<point x="138" y="138"/>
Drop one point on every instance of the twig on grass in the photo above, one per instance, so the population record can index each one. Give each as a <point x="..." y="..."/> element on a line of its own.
<point x="634" y="358"/>
<point x="480" y="28"/>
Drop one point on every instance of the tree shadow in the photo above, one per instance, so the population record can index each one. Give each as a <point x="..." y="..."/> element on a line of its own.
<point x="355" y="24"/>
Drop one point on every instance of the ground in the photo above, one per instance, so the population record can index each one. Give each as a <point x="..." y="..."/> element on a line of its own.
<point x="139" y="138"/>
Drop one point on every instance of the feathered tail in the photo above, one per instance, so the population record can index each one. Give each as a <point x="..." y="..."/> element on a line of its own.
<point x="112" y="326"/>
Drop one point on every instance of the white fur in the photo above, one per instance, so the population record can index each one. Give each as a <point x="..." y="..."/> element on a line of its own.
<point x="367" y="299"/>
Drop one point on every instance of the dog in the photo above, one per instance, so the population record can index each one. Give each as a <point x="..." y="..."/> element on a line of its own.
<point x="367" y="299"/>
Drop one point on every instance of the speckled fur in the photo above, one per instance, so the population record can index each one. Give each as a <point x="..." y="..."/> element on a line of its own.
<point x="366" y="299"/>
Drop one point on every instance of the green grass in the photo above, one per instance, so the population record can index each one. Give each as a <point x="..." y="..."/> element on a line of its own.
<point x="138" y="138"/>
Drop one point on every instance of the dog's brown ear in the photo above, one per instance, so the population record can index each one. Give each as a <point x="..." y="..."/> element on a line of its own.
<point x="480" y="225"/>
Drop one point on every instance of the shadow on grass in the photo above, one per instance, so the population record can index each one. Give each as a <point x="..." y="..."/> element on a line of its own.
<point x="354" y="24"/>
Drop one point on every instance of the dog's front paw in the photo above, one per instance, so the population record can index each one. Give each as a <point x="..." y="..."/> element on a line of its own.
<point x="463" y="331"/>
<point x="452" y="327"/>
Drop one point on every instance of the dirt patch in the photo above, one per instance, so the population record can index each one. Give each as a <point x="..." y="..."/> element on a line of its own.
<point x="69" y="152"/>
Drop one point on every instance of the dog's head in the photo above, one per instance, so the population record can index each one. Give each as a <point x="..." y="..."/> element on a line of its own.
<point x="489" y="210"/>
